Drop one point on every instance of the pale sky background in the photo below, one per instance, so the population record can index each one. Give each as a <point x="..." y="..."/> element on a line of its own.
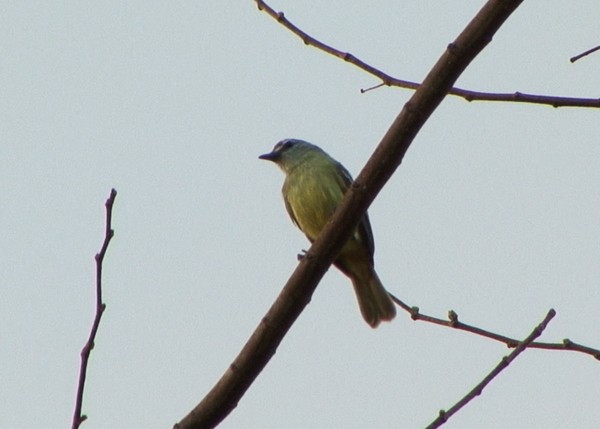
<point x="494" y="213"/>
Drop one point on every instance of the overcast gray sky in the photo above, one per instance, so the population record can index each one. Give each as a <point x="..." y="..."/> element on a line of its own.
<point x="494" y="212"/>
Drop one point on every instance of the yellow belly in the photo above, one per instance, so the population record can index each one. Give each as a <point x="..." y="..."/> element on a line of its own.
<point x="312" y="198"/>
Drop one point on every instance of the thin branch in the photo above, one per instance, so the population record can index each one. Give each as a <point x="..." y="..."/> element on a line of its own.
<point x="388" y="80"/>
<point x="296" y="294"/>
<point x="79" y="418"/>
<point x="583" y="54"/>
<point x="506" y="360"/>
<point x="453" y="322"/>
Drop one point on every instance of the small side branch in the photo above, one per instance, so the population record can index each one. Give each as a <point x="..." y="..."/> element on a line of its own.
<point x="583" y="54"/>
<point x="506" y="360"/>
<point x="79" y="418"/>
<point x="388" y="80"/>
<point x="454" y="323"/>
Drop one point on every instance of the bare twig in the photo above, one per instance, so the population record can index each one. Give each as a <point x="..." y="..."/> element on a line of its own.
<point x="506" y="360"/>
<point x="387" y="80"/>
<point x="453" y="322"/>
<point x="79" y="418"/>
<point x="296" y="294"/>
<point x="583" y="54"/>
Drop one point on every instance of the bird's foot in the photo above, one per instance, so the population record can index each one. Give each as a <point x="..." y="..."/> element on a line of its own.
<point x="302" y="255"/>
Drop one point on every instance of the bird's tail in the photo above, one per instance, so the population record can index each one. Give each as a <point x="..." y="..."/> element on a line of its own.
<point x="373" y="300"/>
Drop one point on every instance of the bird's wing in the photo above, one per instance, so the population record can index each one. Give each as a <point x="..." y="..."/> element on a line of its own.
<point x="290" y="212"/>
<point x="365" y="233"/>
<point x="288" y="207"/>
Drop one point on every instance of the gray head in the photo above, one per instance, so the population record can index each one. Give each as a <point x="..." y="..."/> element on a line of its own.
<point x="289" y="153"/>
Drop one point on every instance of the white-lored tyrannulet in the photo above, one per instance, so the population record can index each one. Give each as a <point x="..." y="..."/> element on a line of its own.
<point x="314" y="186"/>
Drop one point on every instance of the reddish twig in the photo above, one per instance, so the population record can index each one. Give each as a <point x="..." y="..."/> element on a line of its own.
<point x="387" y="80"/>
<point x="444" y="415"/>
<point x="583" y="54"/>
<point x="79" y="418"/>
<point x="453" y="322"/>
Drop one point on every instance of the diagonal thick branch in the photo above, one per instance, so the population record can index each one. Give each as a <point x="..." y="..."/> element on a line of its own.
<point x="296" y="294"/>
<point x="506" y="360"/>
<point x="388" y="80"/>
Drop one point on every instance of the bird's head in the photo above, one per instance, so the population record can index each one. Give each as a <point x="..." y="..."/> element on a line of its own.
<point x="290" y="153"/>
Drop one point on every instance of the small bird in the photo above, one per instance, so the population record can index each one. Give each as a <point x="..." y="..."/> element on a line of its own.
<point x="314" y="186"/>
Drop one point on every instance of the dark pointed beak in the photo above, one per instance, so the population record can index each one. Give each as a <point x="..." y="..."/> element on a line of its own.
<point x="272" y="156"/>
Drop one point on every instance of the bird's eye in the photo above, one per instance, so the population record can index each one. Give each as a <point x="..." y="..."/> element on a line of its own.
<point x="284" y="145"/>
